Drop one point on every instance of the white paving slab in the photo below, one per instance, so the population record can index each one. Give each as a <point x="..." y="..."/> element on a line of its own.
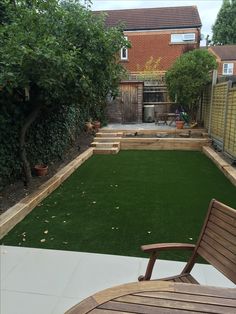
<point x="50" y="281"/>
<point x="139" y="126"/>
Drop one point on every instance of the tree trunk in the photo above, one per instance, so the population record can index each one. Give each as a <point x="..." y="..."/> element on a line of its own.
<point x="23" y="154"/>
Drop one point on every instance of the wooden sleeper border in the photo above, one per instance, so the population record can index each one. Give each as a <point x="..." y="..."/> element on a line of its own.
<point x="16" y="213"/>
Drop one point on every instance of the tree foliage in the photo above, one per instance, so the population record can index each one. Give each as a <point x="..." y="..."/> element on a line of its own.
<point x="187" y="78"/>
<point x="224" y="29"/>
<point x="55" y="53"/>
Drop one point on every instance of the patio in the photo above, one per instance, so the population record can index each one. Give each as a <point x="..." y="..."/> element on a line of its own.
<point x="50" y="281"/>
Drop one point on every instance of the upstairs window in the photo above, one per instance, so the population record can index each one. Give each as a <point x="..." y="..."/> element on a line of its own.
<point x="228" y="68"/>
<point x="124" y="52"/>
<point x="182" y="38"/>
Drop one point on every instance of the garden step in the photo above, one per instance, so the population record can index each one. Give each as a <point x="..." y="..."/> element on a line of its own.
<point x="116" y="134"/>
<point x="106" y="139"/>
<point x="105" y="145"/>
<point x="106" y="151"/>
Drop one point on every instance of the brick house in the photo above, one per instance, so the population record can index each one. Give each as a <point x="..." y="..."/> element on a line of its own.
<point x="163" y="33"/>
<point x="226" y="59"/>
<point x="159" y="34"/>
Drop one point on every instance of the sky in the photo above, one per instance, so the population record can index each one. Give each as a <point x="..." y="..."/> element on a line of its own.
<point x="208" y="9"/>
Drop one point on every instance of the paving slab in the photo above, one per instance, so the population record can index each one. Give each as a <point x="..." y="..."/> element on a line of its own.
<point x="51" y="281"/>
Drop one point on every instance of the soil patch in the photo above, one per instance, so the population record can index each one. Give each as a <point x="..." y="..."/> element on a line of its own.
<point x="14" y="192"/>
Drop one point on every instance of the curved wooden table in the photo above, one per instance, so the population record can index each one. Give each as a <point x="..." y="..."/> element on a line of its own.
<point x="159" y="297"/>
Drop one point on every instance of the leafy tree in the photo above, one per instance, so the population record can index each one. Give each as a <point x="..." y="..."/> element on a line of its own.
<point x="187" y="78"/>
<point x="224" y="29"/>
<point x="56" y="53"/>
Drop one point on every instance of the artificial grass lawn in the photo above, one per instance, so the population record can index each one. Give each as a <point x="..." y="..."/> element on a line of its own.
<point x="114" y="203"/>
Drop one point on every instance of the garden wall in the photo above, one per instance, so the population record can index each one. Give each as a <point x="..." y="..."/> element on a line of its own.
<point x="219" y="115"/>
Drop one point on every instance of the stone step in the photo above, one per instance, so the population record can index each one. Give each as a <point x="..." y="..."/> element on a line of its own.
<point x="115" y="134"/>
<point x="105" y="144"/>
<point x="107" y="151"/>
<point x="106" y="139"/>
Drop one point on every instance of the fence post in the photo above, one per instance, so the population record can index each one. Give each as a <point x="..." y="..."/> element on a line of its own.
<point x="214" y="80"/>
<point x="229" y="85"/>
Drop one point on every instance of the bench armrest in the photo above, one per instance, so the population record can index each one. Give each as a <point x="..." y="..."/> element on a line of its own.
<point x="167" y="246"/>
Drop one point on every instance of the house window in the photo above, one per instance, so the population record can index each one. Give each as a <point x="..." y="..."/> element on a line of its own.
<point x="228" y="68"/>
<point x="124" y="52"/>
<point x="182" y="38"/>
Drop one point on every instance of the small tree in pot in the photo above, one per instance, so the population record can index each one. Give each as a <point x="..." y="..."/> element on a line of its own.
<point x="187" y="78"/>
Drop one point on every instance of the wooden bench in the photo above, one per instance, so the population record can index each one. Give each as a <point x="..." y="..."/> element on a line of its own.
<point x="216" y="244"/>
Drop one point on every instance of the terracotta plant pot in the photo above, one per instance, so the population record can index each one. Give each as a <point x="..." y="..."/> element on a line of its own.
<point x="96" y="125"/>
<point x="179" y="124"/>
<point x="41" y="170"/>
<point x="88" y="126"/>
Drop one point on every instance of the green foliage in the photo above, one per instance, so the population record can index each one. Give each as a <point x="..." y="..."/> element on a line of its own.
<point x="187" y="78"/>
<point x="224" y="29"/>
<point x="59" y="57"/>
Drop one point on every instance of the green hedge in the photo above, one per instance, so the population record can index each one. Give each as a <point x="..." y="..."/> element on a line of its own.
<point x="48" y="139"/>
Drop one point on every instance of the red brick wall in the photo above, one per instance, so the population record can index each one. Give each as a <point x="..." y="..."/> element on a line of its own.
<point x="156" y="45"/>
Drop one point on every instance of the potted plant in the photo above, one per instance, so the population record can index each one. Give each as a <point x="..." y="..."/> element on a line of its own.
<point x="41" y="170"/>
<point x="179" y="123"/>
<point x="88" y="126"/>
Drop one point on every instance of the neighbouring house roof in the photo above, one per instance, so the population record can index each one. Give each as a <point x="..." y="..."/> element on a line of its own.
<point x="225" y="53"/>
<point x="154" y="18"/>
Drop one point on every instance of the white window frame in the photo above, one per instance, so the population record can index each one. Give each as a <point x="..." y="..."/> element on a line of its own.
<point x="126" y="52"/>
<point x="177" y="38"/>
<point x="228" y="68"/>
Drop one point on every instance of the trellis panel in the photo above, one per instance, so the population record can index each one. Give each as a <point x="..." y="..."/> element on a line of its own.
<point x="230" y="127"/>
<point x="217" y="120"/>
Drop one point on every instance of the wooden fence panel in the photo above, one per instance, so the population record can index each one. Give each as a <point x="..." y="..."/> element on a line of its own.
<point x="206" y="103"/>
<point x="217" y="121"/>
<point x="230" y="126"/>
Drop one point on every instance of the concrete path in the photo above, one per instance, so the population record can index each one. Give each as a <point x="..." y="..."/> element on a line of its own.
<point x="38" y="281"/>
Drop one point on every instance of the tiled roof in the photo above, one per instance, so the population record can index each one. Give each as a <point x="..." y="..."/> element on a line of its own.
<point x="154" y="18"/>
<point x="225" y="53"/>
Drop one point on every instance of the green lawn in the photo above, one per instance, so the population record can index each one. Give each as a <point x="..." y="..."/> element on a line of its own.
<point x="113" y="204"/>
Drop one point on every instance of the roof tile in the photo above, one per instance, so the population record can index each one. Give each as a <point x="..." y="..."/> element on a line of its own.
<point x="154" y="18"/>
<point x="225" y="53"/>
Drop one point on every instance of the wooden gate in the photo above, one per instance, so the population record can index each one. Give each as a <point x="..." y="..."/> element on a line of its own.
<point x="129" y="101"/>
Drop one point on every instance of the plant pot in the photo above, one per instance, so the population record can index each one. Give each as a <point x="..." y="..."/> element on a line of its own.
<point x="41" y="170"/>
<point x="179" y="124"/>
<point x="88" y="126"/>
<point x="96" y="125"/>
